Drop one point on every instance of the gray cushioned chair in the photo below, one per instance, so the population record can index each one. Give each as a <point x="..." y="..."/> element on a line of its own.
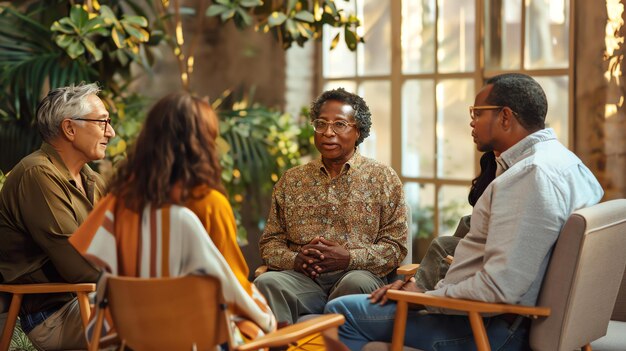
<point x="578" y="293"/>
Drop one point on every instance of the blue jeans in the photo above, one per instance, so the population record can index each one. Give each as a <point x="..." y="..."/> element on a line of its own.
<point x="367" y="322"/>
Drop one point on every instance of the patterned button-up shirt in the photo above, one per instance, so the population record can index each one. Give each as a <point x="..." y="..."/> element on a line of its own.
<point x="362" y="209"/>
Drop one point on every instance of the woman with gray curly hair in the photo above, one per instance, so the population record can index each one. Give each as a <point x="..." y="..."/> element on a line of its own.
<point x="338" y="223"/>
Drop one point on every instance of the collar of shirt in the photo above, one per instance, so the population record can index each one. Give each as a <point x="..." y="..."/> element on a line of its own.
<point x="519" y="150"/>
<point x="86" y="172"/>
<point x="354" y="162"/>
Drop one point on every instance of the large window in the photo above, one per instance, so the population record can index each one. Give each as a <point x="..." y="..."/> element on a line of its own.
<point x="419" y="70"/>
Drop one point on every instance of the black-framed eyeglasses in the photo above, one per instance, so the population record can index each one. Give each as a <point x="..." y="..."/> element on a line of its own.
<point x="103" y="122"/>
<point x="473" y="109"/>
<point x="339" y="127"/>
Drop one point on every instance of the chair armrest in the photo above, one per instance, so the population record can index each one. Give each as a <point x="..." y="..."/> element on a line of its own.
<point x="260" y="270"/>
<point x="466" y="305"/>
<point x="47" y="288"/>
<point x="292" y="333"/>
<point x="408" y="269"/>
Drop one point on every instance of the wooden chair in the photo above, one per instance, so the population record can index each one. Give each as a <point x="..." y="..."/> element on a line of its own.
<point x="186" y="313"/>
<point x="18" y="291"/>
<point x="578" y="293"/>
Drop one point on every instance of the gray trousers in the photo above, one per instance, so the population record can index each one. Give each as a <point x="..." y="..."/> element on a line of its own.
<point x="434" y="267"/>
<point x="291" y="294"/>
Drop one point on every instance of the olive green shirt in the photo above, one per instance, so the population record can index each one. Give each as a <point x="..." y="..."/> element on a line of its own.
<point x="40" y="207"/>
<point x="362" y="209"/>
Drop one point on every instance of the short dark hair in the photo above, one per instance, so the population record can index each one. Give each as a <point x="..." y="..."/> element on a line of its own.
<point x="362" y="114"/>
<point x="523" y="95"/>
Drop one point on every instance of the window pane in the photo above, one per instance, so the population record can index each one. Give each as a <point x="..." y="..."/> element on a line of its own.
<point x="339" y="62"/>
<point x="378" y="144"/>
<point x="454" y="141"/>
<point x="375" y="54"/>
<point x="452" y="206"/>
<point x="557" y="92"/>
<point x="348" y="85"/>
<point x="418" y="132"/>
<point x="456" y="35"/>
<point x="418" y="36"/>
<point x="421" y="199"/>
<point x="503" y="34"/>
<point x="547" y="34"/>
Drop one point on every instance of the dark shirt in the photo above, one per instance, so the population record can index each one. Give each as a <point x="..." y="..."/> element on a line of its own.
<point x="40" y="207"/>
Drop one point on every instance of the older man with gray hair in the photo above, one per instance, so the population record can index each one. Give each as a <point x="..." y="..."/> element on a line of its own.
<point x="44" y="199"/>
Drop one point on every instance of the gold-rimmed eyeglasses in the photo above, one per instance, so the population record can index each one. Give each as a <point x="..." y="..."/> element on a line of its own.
<point x="473" y="110"/>
<point x="339" y="127"/>
<point x="103" y="122"/>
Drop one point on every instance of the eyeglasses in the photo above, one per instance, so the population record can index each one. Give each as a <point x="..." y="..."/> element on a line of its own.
<point x="474" y="115"/>
<point x="339" y="127"/>
<point x="104" y="122"/>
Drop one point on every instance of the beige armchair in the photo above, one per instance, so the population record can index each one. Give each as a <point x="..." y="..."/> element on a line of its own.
<point x="578" y="293"/>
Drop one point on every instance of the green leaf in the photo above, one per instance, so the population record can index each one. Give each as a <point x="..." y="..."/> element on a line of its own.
<point x="58" y="27"/>
<point x="136" y="20"/>
<point x="109" y="17"/>
<point x="118" y="38"/>
<point x="250" y="3"/>
<point x="93" y="50"/>
<point x="245" y="17"/>
<point x="225" y="16"/>
<point x="139" y="33"/>
<point x="331" y="8"/>
<point x="350" y="38"/>
<point x="334" y="42"/>
<point x="93" y="24"/>
<point x="67" y="22"/>
<point x="276" y="19"/>
<point x="291" y="4"/>
<point x="305" y="16"/>
<point x="290" y="25"/>
<point x="215" y="10"/>
<point x="64" y="40"/>
<point x="78" y="15"/>
<point x="227" y="3"/>
<point x="75" y="49"/>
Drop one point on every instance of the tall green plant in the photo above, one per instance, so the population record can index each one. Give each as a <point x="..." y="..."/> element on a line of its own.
<point x="47" y="44"/>
<point x="258" y="145"/>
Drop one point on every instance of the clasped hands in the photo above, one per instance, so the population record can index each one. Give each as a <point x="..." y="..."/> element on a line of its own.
<point x="321" y="256"/>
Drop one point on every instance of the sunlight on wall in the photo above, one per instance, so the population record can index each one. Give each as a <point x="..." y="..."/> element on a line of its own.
<point x="614" y="53"/>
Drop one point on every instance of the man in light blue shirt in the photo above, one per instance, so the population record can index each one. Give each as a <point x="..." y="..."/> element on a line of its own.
<point x="514" y="226"/>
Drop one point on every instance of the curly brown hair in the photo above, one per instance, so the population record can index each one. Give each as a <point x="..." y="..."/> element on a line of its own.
<point x="175" y="152"/>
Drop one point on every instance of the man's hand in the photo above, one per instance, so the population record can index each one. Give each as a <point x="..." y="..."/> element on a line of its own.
<point x="380" y="295"/>
<point x="331" y="256"/>
<point x="307" y="259"/>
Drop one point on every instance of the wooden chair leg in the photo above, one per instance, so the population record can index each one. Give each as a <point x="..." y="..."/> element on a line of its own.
<point x="399" y="326"/>
<point x="7" y="332"/>
<point x="85" y="308"/>
<point x="478" y="329"/>
<point x="97" y="332"/>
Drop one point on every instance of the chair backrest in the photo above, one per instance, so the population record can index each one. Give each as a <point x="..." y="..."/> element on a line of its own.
<point x="583" y="278"/>
<point x="168" y="313"/>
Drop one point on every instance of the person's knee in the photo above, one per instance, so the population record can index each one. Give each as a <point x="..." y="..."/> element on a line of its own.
<point x="336" y="306"/>
<point x="356" y="282"/>
<point x="268" y="281"/>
